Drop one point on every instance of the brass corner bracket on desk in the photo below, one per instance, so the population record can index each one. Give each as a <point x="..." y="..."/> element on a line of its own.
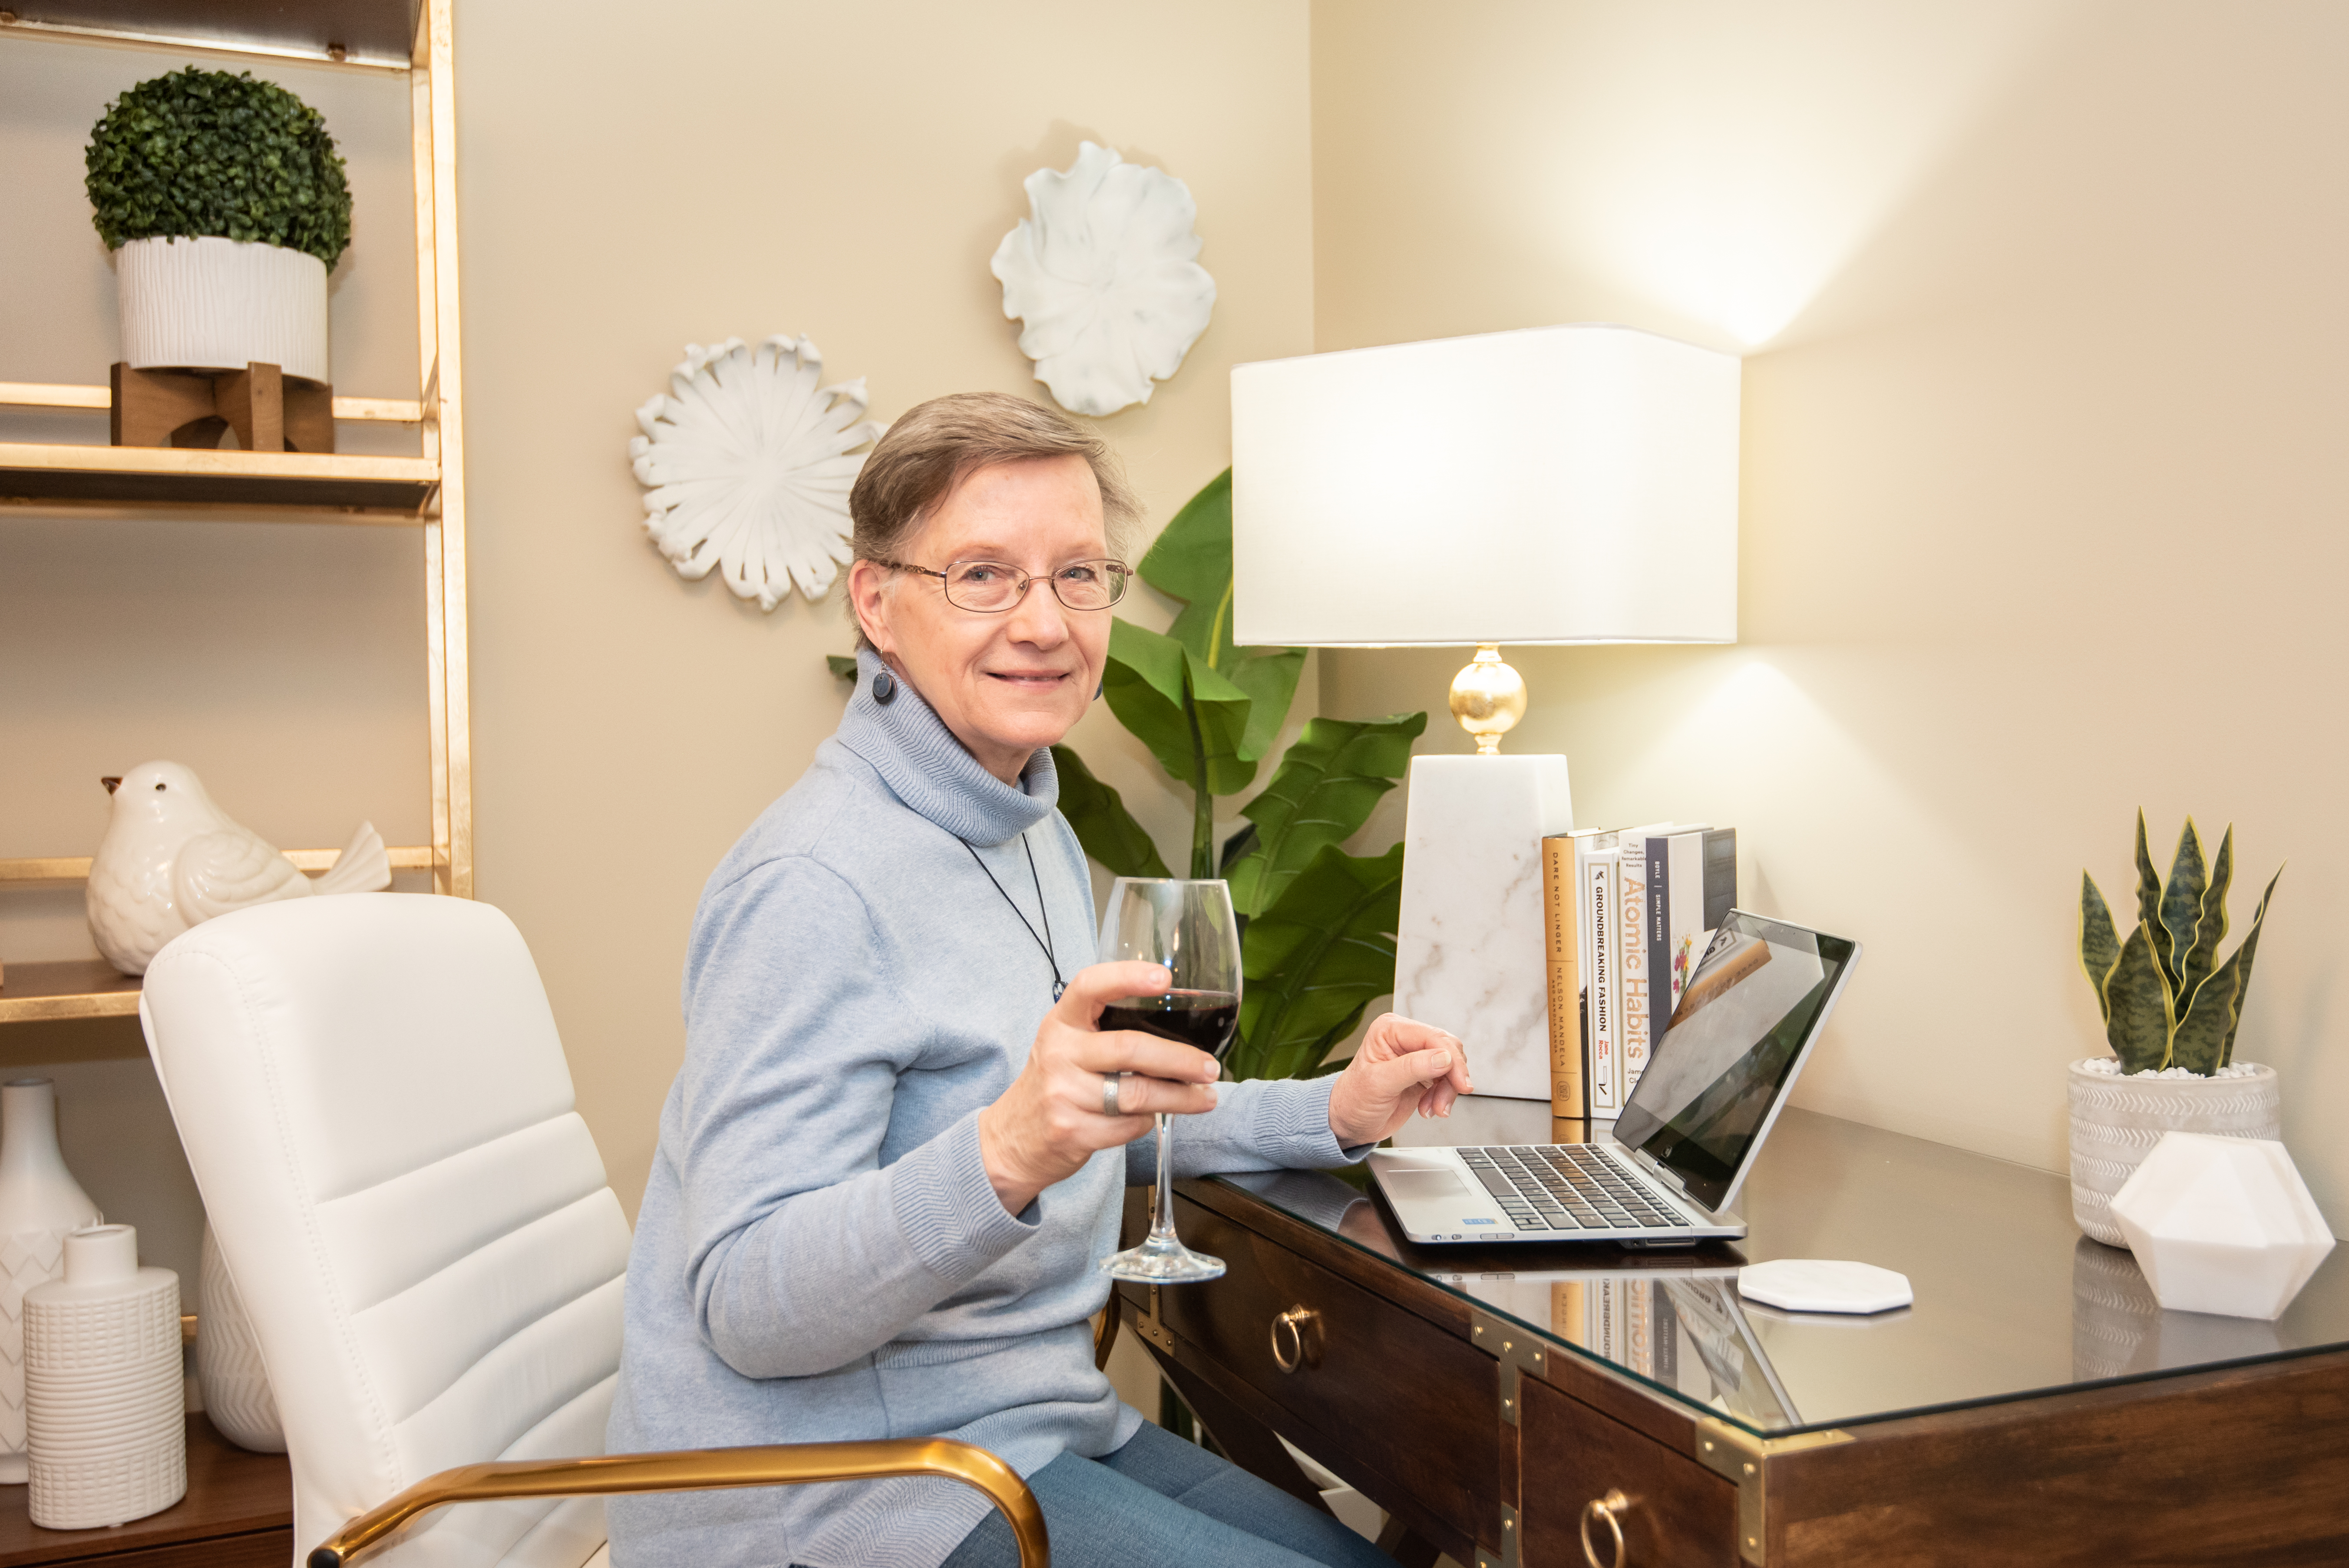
<point x="1742" y="1458"/>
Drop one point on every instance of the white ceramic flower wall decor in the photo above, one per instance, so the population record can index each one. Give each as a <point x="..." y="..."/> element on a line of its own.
<point x="1103" y="276"/>
<point x="747" y="464"/>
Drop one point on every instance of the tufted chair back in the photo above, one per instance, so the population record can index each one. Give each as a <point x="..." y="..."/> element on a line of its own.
<point x="378" y="1115"/>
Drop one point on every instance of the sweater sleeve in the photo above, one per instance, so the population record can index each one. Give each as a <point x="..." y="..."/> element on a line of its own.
<point x="1260" y="1124"/>
<point x="803" y="1251"/>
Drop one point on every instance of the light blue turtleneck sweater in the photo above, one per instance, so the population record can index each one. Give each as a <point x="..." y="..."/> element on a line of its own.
<point x="820" y="1255"/>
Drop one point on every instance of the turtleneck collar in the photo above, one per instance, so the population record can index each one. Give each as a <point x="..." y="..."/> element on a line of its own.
<point x="932" y="772"/>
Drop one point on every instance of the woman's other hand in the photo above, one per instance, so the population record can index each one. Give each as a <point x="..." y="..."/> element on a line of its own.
<point x="1051" y="1121"/>
<point x="1402" y="1067"/>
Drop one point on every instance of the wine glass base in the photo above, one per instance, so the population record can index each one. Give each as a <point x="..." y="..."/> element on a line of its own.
<point x="1162" y="1261"/>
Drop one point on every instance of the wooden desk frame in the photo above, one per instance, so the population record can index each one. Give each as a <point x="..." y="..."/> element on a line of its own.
<point x="2241" y="1464"/>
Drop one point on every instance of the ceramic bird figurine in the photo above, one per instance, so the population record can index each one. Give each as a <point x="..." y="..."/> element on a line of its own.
<point x="171" y="859"/>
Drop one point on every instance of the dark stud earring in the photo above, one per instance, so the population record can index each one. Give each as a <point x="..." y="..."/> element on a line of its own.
<point x="884" y="688"/>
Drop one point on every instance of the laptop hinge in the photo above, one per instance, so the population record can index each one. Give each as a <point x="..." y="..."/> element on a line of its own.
<point x="1662" y="1172"/>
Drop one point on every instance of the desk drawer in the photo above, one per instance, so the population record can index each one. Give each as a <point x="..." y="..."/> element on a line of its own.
<point x="1403" y="1396"/>
<point x="1678" y="1512"/>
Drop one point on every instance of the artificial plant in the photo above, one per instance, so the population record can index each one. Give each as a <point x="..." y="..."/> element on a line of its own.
<point x="2166" y="1000"/>
<point x="1317" y="939"/>
<point x="1317" y="924"/>
<point x="199" y="154"/>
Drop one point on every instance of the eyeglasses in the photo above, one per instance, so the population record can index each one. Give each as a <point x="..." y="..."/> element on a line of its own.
<point x="991" y="587"/>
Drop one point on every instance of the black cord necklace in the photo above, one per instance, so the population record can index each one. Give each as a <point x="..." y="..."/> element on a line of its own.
<point x="1045" y="941"/>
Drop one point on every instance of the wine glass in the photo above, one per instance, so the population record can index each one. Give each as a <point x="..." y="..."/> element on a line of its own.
<point x="1186" y="927"/>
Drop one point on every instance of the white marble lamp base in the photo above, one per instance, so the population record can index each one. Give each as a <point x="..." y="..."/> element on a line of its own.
<point x="1468" y="951"/>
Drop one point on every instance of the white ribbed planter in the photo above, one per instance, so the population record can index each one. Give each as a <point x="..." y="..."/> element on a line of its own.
<point x="2117" y="1121"/>
<point x="222" y="304"/>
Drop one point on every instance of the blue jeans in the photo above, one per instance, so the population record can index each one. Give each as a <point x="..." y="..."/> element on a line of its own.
<point x="1161" y="1503"/>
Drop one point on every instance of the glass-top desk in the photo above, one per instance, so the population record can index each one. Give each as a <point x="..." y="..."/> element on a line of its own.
<point x="2010" y="1298"/>
<point x="2034" y="1405"/>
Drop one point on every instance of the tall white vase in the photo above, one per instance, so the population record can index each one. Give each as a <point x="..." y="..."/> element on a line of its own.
<point x="40" y="1202"/>
<point x="103" y="1389"/>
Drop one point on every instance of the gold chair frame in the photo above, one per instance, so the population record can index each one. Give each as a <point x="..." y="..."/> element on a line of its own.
<point x="707" y="1469"/>
<point x="703" y="1470"/>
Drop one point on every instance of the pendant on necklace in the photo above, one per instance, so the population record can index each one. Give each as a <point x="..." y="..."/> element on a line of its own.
<point x="1058" y="985"/>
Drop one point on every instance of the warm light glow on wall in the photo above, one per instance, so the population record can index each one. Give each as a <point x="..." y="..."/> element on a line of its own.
<point x="1712" y="167"/>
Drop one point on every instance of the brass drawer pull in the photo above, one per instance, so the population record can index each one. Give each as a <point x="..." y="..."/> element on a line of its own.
<point x="1298" y="1351"/>
<point x="1606" y="1511"/>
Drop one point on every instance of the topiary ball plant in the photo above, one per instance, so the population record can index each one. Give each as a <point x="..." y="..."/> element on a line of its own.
<point x="204" y="153"/>
<point x="2167" y="1001"/>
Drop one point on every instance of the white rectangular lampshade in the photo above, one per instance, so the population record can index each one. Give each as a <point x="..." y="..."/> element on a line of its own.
<point x="1562" y="484"/>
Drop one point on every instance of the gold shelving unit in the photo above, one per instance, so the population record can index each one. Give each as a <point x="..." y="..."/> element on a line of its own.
<point x="404" y="38"/>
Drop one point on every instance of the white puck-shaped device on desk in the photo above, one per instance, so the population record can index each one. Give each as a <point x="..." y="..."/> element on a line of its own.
<point x="104" y="1395"/>
<point x="1821" y="1285"/>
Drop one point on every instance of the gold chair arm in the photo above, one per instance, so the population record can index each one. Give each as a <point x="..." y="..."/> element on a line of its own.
<point x="702" y="1469"/>
<point x="1105" y="1335"/>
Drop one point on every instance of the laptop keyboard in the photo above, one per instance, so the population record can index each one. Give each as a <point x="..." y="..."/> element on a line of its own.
<point x="1566" y="1187"/>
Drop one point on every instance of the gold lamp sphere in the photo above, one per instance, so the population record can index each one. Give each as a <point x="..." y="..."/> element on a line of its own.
<point x="1488" y="697"/>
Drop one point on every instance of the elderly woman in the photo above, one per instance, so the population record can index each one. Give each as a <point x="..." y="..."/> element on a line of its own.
<point x="893" y="1157"/>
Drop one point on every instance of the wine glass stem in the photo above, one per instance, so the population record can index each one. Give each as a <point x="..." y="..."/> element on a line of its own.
<point x="1161" y="1197"/>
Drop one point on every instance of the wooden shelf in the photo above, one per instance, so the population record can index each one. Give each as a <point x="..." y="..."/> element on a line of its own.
<point x="366" y="34"/>
<point x="70" y="988"/>
<point x="239" y="1511"/>
<point x="101" y="399"/>
<point x="55" y="868"/>
<point x="89" y="988"/>
<point x="393" y="489"/>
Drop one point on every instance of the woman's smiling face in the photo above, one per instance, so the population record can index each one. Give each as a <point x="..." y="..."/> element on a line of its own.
<point x="1010" y="683"/>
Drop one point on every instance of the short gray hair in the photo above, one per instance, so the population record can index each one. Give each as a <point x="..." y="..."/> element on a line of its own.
<point x="935" y="445"/>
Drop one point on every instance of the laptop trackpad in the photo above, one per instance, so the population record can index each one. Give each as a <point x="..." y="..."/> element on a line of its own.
<point x="1422" y="1184"/>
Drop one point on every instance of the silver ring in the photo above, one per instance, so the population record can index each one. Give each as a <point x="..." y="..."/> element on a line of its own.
<point x="1109" y="1093"/>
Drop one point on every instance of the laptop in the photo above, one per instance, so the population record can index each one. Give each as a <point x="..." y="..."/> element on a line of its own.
<point x="1687" y="1137"/>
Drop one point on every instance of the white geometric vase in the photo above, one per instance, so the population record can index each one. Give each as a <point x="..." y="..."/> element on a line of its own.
<point x="2118" y="1120"/>
<point x="103" y="1389"/>
<point x="220" y="304"/>
<point x="2222" y="1225"/>
<point x="237" y="1398"/>
<point x="40" y="1203"/>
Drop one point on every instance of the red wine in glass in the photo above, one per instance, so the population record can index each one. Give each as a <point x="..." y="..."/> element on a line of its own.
<point x="1187" y="927"/>
<point x="1208" y="1020"/>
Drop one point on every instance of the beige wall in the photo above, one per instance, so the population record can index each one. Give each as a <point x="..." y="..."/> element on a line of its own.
<point x="630" y="181"/>
<point x="2043" y="484"/>
<point x="842" y="171"/>
<point x="2042" y="507"/>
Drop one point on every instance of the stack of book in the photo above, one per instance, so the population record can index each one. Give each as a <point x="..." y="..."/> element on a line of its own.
<point x="1626" y="913"/>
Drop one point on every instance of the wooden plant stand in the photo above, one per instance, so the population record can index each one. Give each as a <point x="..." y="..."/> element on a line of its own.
<point x="270" y="412"/>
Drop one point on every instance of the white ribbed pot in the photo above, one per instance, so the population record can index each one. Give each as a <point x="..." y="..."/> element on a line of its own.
<point x="2118" y="1120"/>
<point x="220" y="304"/>
<point x="40" y="1204"/>
<point x="103" y="1389"/>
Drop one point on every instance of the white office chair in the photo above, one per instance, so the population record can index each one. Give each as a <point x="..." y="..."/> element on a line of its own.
<point x="378" y="1115"/>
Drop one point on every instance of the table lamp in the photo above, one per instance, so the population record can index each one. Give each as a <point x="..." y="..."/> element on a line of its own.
<point x="1564" y="484"/>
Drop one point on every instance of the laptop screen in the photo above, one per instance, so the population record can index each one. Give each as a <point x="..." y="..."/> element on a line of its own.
<point x="1736" y="1037"/>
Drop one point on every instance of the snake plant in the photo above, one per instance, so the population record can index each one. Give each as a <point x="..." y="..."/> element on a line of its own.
<point x="2166" y="1000"/>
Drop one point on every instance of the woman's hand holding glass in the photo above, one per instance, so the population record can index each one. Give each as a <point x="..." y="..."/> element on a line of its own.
<point x="1054" y="1118"/>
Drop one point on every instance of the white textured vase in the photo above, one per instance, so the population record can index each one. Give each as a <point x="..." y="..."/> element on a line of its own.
<point x="104" y="1395"/>
<point x="237" y="1398"/>
<point x="40" y="1203"/>
<point x="222" y="304"/>
<point x="2117" y="1121"/>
